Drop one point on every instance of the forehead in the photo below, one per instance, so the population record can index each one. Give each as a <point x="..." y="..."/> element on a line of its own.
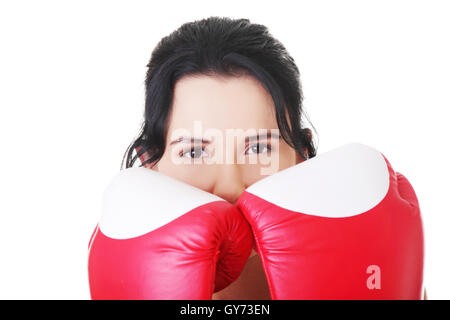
<point x="222" y="103"/>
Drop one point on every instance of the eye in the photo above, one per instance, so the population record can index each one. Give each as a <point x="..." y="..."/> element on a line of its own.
<point x="258" y="148"/>
<point x="193" y="153"/>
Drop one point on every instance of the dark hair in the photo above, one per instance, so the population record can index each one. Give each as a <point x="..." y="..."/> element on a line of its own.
<point x="220" y="46"/>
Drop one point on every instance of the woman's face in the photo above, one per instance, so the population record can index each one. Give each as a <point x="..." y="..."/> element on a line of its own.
<point x="215" y="140"/>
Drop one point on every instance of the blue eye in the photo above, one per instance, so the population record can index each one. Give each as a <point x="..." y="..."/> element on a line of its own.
<point x="193" y="153"/>
<point x="258" y="148"/>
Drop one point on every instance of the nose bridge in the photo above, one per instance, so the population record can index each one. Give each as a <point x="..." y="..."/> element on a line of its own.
<point x="229" y="184"/>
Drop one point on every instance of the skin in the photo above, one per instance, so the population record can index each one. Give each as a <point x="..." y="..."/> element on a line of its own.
<point x="222" y="103"/>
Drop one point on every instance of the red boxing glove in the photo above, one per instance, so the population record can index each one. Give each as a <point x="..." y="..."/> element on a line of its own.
<point x="159" y="238"/>
<point x="342" y="225"/>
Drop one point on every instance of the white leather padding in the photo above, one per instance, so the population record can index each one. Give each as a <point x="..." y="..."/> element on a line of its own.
<point x="343" y="182"/>
<point x="140" y="200"/>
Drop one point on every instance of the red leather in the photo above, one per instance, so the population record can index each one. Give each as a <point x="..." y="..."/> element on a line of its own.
<point x="196" y="254"/>
<point x="306" y="256"/>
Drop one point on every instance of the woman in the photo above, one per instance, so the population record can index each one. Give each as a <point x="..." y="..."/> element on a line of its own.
<point x="222" y="74"/>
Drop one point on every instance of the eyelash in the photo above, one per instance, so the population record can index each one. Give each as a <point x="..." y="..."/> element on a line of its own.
<point x="268" y="146"/>
<point x="182" y="153"/>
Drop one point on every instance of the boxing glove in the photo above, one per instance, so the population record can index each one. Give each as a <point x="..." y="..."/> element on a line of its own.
<point x="341" y="225"/>
<point x="159" y="238"/>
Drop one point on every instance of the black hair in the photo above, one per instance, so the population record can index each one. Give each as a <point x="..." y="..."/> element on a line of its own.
<point x="220" y="46"/>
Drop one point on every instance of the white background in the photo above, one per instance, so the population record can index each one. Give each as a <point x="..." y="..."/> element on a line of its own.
<point x="72" y="97"/>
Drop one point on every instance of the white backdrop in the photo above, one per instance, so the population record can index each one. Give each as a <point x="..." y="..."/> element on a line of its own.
<point x="72" y="97"/>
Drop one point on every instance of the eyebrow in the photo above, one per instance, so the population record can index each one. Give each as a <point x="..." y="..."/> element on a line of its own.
<point x="190" y="140"/>
<point x="258" y="137"/>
